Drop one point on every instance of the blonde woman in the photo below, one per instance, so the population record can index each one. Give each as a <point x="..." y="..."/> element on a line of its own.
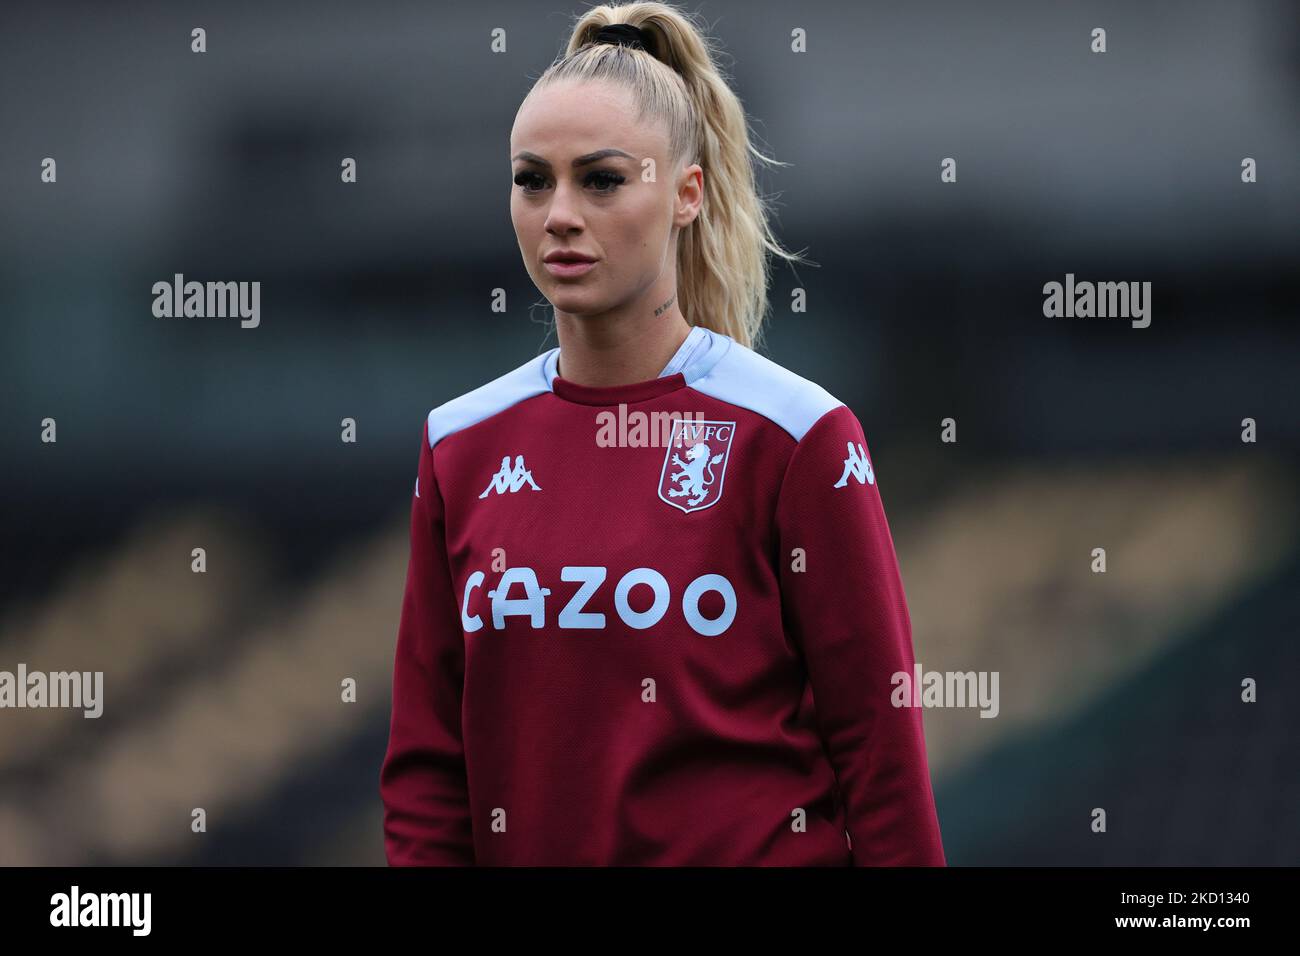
<point x="653" y="611"/>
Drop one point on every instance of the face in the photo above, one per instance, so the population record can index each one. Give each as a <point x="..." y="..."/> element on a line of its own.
<point x="581" y="184"/>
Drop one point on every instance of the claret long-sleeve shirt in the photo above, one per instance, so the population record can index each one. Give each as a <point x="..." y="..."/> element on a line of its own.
<point x="653" y="624"/>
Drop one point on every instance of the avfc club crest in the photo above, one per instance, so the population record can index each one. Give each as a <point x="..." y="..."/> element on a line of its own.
<point x="695" y="463"/>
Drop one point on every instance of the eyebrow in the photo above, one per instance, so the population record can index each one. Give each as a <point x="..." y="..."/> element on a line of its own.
<point x="586" y="160"/>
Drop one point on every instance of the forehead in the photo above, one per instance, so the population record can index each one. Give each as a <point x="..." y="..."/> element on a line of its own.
<point x="575" y="117"/>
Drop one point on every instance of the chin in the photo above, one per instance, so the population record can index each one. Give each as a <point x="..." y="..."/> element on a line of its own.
<point x="575" y="301"/>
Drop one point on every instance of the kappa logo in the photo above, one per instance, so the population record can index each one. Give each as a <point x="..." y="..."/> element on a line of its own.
<point x="857" y="466"/>
<point x="510" y="479"/>
<point x="697" y="477"/>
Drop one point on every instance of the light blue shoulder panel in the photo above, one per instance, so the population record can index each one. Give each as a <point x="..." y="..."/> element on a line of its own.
<point x="490" y="398"/>
<point x="743" y="377"/>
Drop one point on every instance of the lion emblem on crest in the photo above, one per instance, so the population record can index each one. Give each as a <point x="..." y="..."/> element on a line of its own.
<point x="691" y="479"/>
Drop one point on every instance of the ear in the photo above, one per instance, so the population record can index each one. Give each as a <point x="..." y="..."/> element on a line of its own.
<point x="690" y="195"/>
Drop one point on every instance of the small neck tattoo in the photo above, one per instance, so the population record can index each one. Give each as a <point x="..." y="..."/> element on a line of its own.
<point x="660" y="310"/>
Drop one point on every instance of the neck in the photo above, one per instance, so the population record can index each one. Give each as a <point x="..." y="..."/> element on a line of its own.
<point x="611" y="349"/>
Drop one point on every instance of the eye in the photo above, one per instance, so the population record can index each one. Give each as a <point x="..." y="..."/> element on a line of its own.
<point x="524" y="178"/>
<point x="611" y="180"/>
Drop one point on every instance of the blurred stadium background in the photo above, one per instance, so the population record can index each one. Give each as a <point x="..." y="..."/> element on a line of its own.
<point x="222" y="690"/>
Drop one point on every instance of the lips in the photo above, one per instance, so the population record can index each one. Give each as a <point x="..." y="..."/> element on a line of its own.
<point x="570" y="257"/>
<point x="570" y="270"/>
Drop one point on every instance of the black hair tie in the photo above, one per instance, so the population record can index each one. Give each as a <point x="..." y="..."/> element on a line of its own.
<point x="625" y="34"/>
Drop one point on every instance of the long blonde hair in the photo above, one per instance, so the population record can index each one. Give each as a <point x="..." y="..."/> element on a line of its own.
<point x="722" y="255"/>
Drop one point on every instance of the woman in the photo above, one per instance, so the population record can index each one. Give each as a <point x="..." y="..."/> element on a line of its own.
<point x="653" y="609"/>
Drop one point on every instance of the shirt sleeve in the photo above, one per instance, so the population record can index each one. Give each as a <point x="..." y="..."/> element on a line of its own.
<point x="422" y="780"/>
<point x="844" y="607"/>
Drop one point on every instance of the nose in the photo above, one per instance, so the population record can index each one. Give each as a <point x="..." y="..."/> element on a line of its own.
<point x="563" y="216"/>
